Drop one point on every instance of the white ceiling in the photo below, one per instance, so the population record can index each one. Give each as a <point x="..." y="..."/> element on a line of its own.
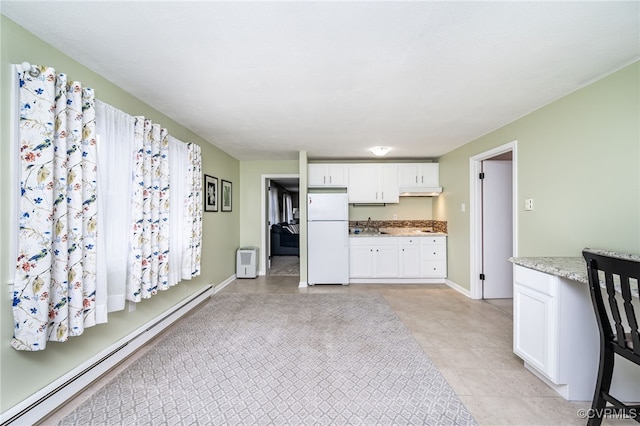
<point x="263" y="80"/>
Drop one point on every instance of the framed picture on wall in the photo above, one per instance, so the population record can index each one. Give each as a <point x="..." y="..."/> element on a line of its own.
<point x="210" y="193"/>
<point x="226" y="196"/>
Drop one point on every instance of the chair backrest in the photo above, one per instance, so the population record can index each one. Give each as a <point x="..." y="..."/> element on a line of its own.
<point x="621" y="278"/>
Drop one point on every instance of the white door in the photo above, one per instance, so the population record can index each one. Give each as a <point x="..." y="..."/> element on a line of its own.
<point x="497" y="229"/>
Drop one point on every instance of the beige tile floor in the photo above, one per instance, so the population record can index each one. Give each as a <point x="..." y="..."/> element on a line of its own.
<point x="469" y="341"/>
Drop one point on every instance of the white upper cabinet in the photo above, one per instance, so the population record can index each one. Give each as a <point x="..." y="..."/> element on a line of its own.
<point x="373" y="183"/>
<point x="419" y="175"/>
<point x="327" y="175"/>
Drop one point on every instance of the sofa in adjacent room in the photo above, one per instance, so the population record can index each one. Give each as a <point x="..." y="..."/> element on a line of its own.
<point x="285" y="240"/>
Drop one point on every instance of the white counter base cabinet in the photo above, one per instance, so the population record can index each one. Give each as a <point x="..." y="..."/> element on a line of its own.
<point x="371" y="257"/>
<point x="398" y="260"/>
<point x="409" y="251"/>
<point x="555" y="333"/>
<point x="433" y="255"/>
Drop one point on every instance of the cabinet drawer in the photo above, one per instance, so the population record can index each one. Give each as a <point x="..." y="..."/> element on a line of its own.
<point x="434" y="268"/>
<point x="535" y="280"/>
<point x="428" y="241"/>
<point x="434" y="253"/>
<point x="409" y="241"/>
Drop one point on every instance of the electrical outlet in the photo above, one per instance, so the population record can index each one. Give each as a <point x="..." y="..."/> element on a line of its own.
<point x="395" y="216"/>
<point x="528" y="204"/>
<point x="463" y="207"/>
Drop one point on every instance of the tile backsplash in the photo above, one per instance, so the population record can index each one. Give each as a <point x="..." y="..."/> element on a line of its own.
<point x="437" y="225"/>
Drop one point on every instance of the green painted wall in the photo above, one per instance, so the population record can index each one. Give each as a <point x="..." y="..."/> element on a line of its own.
<point x="251" y="197"/>
<point x="23" y="373"/>
<point x="577" y="158"/>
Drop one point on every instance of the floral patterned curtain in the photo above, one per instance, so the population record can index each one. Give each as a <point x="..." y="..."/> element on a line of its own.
<point x="193" y="220"/>
<point x="149" y="246"/>
<point x="54" y="293"/>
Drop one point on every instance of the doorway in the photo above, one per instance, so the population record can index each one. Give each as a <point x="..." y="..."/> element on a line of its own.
<point x="493" y="217"/>
<point x="280" y="225"/>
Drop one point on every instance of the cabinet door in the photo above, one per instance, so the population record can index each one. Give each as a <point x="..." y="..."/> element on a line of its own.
<point x="430" y="175"/>
<point x="363" y="183"/>
<point x="532" y="324"/>
<point x="316" y="175"/>
<point x="386" y="262"/>
<point x="337" y="175"/>
<point x="361" y="262"/>
<point x="388" y="190"/>
<point x="409" y="261"/>
<point x="409" y="174"/>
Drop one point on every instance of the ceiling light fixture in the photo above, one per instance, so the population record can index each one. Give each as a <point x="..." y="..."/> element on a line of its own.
<point x="380" y="150"/>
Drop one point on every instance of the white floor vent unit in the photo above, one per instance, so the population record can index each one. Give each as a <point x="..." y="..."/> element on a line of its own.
<point x="246" y="262"/>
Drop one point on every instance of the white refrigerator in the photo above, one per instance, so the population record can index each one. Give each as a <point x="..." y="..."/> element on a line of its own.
<point x="328" y="238"/>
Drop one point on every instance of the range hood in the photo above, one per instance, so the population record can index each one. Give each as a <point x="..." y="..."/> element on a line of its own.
<point x="420" y="191"/>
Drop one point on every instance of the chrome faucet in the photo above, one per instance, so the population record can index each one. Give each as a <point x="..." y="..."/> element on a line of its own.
<point x="368" y="223"/>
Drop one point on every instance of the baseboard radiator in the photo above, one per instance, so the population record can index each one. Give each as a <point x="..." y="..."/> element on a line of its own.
<point x="47" y="400"/>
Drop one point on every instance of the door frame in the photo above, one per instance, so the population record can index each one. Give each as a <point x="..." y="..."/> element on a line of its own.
<point x="475" y="211"/>
<point x="264" y="206"/>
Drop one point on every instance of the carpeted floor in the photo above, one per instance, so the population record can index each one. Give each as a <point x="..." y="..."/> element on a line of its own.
<point x="297" y="359"/>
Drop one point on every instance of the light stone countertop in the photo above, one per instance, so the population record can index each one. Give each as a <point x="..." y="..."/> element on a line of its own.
<point x="573" y="268"/>
<point x="399" y="232"/>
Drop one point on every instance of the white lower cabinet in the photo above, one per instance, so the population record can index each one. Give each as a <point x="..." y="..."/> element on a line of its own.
<point x="433" y="256"/>
<point x="373" y="257"/>
<point x="409" y="257"/>
<point x="417" y="258"/>
<point x="555" y="333"/>
<point x="534" y="321"/>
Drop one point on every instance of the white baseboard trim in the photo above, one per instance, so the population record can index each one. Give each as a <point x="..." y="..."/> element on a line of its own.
<point x="224" y="283"/>
<point x="458" y="288"/>
<point x="396" y="281"/>
<point x="302" y="284"/>
<point x="48" y="399"/>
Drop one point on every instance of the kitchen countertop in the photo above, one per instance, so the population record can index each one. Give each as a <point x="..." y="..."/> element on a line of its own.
<point x="573" y="268"/>
<point x="399" y="232"/>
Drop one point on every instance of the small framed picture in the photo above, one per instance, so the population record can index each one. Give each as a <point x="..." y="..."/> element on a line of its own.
<point x="211" y="193"/>
<point x="226" y="196"/>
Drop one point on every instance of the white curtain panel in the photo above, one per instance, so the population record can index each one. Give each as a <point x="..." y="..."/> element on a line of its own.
<point x="288" y="208"/>
<point x="178" y="167"/>
<point x="116" y="151"/>
<point x="55" y="283"/>
<point x="274" y="205"/>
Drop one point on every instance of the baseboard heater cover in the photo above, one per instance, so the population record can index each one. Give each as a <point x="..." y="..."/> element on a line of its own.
<point x="48" y="399"/>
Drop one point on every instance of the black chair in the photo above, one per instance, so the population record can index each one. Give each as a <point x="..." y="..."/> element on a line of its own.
<point x="616" y="337"/>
